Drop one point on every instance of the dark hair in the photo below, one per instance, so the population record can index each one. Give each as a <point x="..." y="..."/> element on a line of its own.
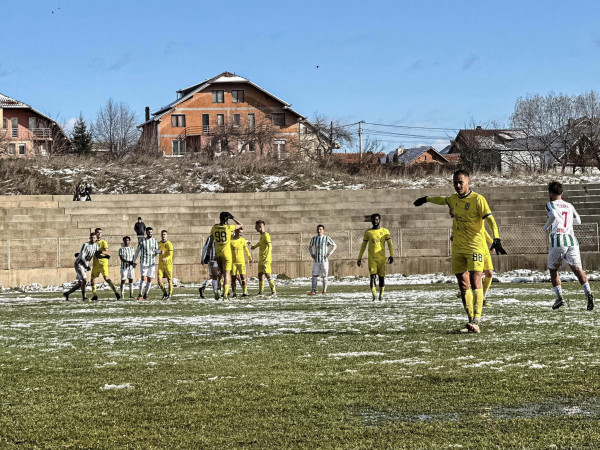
<point x="260" y="221"/>
<point x="375" y="215"/>
<point x="125" y="238"/>
<point x="555" y="187"/>
<point x="150" y="228"/>
<point x="461" y="172"/>
<point x="320" y="226"/>
<point x="97" y="229"/>
<point x="92" y="234"/>
<point x="164" y="231"/>
<point x="139" y="218"/>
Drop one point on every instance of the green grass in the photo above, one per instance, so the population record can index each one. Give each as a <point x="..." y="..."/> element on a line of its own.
<point x="299" y="371"/>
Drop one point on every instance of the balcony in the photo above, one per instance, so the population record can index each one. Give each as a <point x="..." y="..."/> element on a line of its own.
<point x="194" y="131"/>
<point x="25" y="134"/>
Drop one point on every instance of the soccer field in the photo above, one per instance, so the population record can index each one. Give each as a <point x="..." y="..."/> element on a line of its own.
<point x="335" y="371"/>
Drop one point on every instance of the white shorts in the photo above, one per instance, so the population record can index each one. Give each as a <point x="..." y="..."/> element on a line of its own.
<point x="148" y="271"/>
<point x="128" y="273"/>
<point x="570" y="255"/>
<point x="321" y="269"/>
<point x="80" y="271"/>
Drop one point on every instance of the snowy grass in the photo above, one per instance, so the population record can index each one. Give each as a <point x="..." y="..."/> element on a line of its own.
<point x="335" y="371"/>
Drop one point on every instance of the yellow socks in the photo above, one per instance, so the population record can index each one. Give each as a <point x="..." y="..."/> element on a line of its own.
<point x="487" y="282"/>
<point x="381" y="291"/>
<point x="226" y="291"/>
<point x="170" y="289"/>
<point x="374" y="292"/>
<point x="272" y="285"/>
<point x="467" y="298"/>
<point x="478" y="301"/>
<point x="261" y="286"/>
<point x="162" y="287"/>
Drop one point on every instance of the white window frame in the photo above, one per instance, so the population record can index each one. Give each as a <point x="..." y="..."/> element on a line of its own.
<point x="237" y="96"/>
<point x="218" y="96"/>
<point x="22" y="146"/>
<point x="251" y="121"/>
<point x="178" y="147"/>
<point x="14" y="127"/>
<point x="179" y="120"/>
<point x="12" y="148"/>
<point x="220" y="120"/>
<point x="277" y="146"/>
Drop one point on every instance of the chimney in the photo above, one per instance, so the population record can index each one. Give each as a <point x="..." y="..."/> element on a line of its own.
<point x="147" y="113"/>
<point x="399" y="150"/>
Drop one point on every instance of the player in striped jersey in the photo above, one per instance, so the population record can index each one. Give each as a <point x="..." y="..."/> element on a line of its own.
<point x="100" y="266"/>
<point x="320" y="253"/>
<point x="265" y="256"/>
<point x="239" y="251"/>
<point x="376" y="238"/>
<point x="147" y="249"/>
<point x="468" y="244"/>
<point x="126" y="253"/>
<point x="208" y="258"/>
<point x="220" y="234"/>
<point x="82" y="266"/>
<point x="563" y="243"/>
<point x="165" y="265"/>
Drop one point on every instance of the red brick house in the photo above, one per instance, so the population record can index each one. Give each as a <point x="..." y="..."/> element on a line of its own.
<point x="226" y="113"/>
<point x="26" y="132"/>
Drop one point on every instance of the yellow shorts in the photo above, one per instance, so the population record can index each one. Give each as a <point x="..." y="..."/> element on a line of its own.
<point x="471" y="262"/>
<point x="100" y="269"/>
<point x="487" y="261"/>
<point x="238" y="269"/>
<point x="264" y="267"/>
<point x="165" y="271"/>
<point x="377" y="266"/>
<point x="224" y="262"/>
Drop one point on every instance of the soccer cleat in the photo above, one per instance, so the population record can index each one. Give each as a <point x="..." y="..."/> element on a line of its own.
<point x="558" y="303"/>
<point x="486" y="303"/>
<point x="590" y="299"/>
<point x="273" y="294"/>
<point x="380" y="298"/>
<point x="473" y="327"/>
<point x="118" y="295"/>
<point x="466" y="328"/>
<point x="225" y="299"/>
<point x="95" y="297"/>
<point x="312" y="293"/>
<point x="165" y="296"/>
<point x="217" y="296"/>
<point x="84" y="299"/>
<point x="245" y="295"/>
<point x="374" y="298"/>
<point x="324" y="293"/>
<point x="201" y="290"/>
<point x="234" y="295"/>
<point x="66" y="296"/>
<point x="139" y="298"/>
<point x="145" y="297"/>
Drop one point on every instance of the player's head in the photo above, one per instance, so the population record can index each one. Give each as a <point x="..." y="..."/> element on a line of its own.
<point x="98" y="232"/>
<point x="139" y="219"/>
<point x="320" y="229"/>
<point x="149" y="232"/>
<point x="461" y="181"/>
<point x="555" y="189"/>
<point x="163" y="235"/>
<point x="224" y="217"/>
<point x="93" y="237"/>
<point x="260" y="226"/>
<point x="126" y="241"/>
<point x="238" y="232"/>
<point x="375" y="220"/>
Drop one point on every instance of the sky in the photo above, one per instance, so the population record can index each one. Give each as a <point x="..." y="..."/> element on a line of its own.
<point x="430" y="64"/>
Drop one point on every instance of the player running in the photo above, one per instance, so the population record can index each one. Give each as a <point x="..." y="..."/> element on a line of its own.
<point x="220" y="234"/>
<point x="100" y="266"/>
<point x="82" y="266"/>
<point x="563" y="243"/>
<point x="147" y="249"/>
<point x="265" y="256"/>
<point x="470" y="211"/>
<point x="376" y="238"/>
<point x="165" y="265"/>
<point x="126" y="253"/>
<point x="239" y="251"/>
<point x="208" y="257"/>
<point x="320" y="253"/>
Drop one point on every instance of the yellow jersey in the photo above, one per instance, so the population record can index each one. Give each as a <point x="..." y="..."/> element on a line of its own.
<point x="238" y="248"/>
<point x="167" y="253"/>
<point x="102" y="245"/>
<point x="376" y="239"/>
<point x="264" y="248"/>
<point x="470" y="211"/>
<point x="221" y="235"/>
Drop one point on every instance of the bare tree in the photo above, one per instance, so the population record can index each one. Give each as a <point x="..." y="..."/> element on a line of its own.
<point x="115" y="128"/>
<point x="322" y="135"/>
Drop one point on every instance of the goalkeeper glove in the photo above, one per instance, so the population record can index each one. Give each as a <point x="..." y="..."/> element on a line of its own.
<point x="497" y="245"/>
<point x="420" y="201"/>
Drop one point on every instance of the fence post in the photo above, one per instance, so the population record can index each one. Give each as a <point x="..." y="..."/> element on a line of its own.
<point x="300" y="248"/>
<point x="8" y="253"/>
<point x="58" y="253"/>
<point x="400" y="246"/>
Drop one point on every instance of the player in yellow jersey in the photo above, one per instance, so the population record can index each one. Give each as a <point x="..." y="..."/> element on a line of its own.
<point x="488" y="265"/>
<point x="376" y="238"/>
<point x="265" y="255"/>
<point x="468" y="243"/>
<point x="221" y="236"/>
<point x="165" y="265"/>
<point x="239" y="251"/>
<point x="100" y="266"/>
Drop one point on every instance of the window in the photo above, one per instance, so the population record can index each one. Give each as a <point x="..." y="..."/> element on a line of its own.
<point x="5" y="123"/>
<point x="14" y="125"/>
<point x="236" y="120"/>
<point x="205" y="123"/>
<point x="220" y="120"/>
<point x="218" y="96"/>
<point x="279" y="148"/>
<point x="237" y="96"/>
<point x="178" y="120"/>
<point x="12" y="148"/>
<point x="250" y="121"/>
<point x="21" y="149"/>
<point x="32" y="123"/>
<point x="251" y="147"/>
<point x="178" y="147"/>
<point x="277" y="119"/>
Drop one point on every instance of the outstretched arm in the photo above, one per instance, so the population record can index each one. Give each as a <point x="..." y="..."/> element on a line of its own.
<point x="435" y="200"/>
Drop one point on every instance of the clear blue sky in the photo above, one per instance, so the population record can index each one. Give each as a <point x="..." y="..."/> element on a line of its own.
<point x="426" y="63"/>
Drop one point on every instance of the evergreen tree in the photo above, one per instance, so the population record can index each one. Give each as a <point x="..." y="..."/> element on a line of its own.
<point x="81" y="137"/>
<point x="395" y="157"/>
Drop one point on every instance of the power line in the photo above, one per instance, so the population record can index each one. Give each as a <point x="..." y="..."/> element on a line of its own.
<point x="411" y="127"/>
<point x="391" y="133"/>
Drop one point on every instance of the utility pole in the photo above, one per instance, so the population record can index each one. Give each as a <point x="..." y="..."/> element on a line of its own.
<point x="360" y="140"/>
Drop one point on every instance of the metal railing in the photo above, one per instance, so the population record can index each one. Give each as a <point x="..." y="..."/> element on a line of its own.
<point x="408" y="243"/>
<point x="28" y="134"/>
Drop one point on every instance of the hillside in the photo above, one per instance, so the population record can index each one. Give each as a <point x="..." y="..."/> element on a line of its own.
<point x="134" y="175"/>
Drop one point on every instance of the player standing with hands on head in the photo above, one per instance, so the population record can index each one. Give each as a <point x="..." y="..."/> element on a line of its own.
<point x="319" y="250"/>
<point x="376" y="238"/>
<point x="239" y="251"/>
<point x="220" y="234"/>
<point x="468" y="243"/>
<point x="563" y="243"/>
<point x="265" y="256"/>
